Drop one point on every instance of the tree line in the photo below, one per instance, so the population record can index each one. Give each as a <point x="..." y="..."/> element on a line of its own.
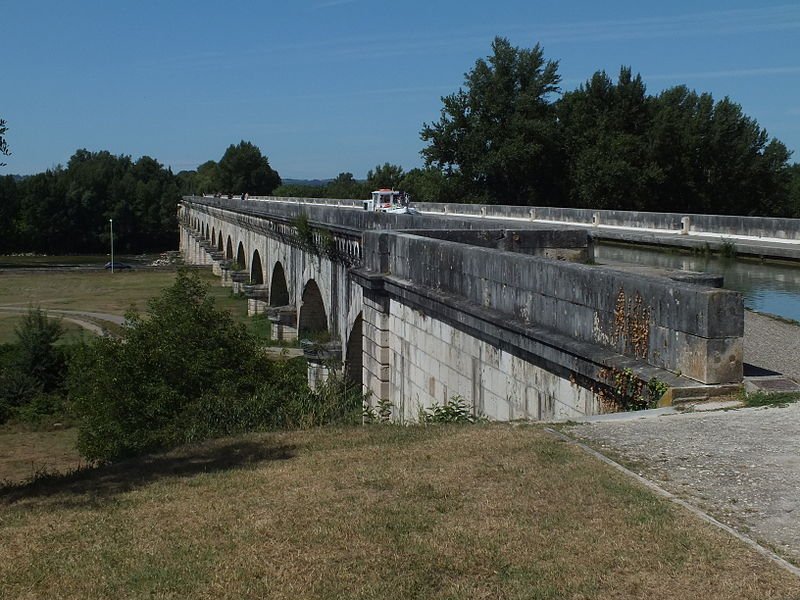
<point x="67" y="209"/>
<point x="509" y="136"/>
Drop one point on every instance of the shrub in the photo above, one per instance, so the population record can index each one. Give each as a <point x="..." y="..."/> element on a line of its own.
<point x="147" y="389"/>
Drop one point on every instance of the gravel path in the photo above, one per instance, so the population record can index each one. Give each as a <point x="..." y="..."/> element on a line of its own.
<point x="742" y="466"/>
<point x="772" y="344"/>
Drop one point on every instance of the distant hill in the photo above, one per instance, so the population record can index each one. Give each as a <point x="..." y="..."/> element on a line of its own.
<point x="309" y="182"/>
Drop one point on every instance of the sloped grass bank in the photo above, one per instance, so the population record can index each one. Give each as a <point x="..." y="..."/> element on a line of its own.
<point x="485" y="511"/>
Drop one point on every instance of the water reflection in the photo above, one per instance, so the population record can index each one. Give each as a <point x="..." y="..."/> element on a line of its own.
<point x="766" y="287"/>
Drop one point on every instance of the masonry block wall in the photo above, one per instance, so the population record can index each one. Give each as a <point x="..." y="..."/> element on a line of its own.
<point x="431" y="361"/>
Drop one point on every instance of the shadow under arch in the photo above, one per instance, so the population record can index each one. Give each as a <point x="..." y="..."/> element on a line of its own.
<point x="312" y="319"/>
<point x="229" y="249"/>
<point x="278" y="290"/>
<point x="219" y="241"/>
<point x="256" y="272"/>
<point x="241" y="257"/>
<point x="353" y="356"/>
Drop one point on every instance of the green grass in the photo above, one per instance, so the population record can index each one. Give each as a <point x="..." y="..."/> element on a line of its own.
<point x="770" y="399"/>
<point x="487" y="511"/>
<point x="100" y="291"/>
<point x="9" y="321"/>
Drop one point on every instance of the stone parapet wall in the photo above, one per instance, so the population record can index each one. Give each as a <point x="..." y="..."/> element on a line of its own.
<point x="676" y="326"/>
<point x="732" y="225"/>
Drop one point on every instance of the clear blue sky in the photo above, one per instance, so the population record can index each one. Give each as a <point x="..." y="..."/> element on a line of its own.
<point x="324" y="86"/>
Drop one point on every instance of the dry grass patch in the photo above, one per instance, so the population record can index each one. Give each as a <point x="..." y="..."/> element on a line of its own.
<point x="379" y="512"/>
<point x="28" y="454"/>
<point x="89" y="290"/>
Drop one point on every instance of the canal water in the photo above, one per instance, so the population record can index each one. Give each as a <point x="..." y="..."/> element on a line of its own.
<point x="767" y="287"/>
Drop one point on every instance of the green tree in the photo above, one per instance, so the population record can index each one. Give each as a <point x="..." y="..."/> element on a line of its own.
<point x="604" y="126"/>
<point x="715" y="158"/>
<point x="207" y="179"/>
<point x="428" y="185"/>
<point x="344" y="185"/>
<point x="384" y="176"/>
<point x="32" y="369"/>
<point x="244" y="169"/>
<point x="499" y="133"/>
<point x="3" y="144"/>
<point x="9" y="214"/>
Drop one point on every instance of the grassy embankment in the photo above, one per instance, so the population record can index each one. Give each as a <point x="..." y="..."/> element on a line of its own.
<point x="487" y="511"/>
<point x="95" y="291"/>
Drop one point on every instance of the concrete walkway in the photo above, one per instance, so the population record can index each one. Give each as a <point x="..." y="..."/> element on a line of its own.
<point x="740" y="466"/>
<point x="772" y="344"/>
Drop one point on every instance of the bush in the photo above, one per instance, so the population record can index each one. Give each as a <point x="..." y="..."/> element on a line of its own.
<point x="142" y="391"/>
<point x="185" y="373"/>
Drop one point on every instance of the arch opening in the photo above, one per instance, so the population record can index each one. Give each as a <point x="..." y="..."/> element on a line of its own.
<point x="353" y="355"/>
<point x="278" y="291"/>
<point x="241" y="260"/>
<point x="256" y="273"/>
<point x="229" y="249"/>
<point x="219" y="242"/>
<point x="313" y="321"/>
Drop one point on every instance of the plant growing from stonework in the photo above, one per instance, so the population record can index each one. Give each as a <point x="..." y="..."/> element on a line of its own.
<point x="305" y="233"/>
<point x="455" y="410"/>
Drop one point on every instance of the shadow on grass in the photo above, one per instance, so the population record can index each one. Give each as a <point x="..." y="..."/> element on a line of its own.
<point x="93" y="485"/>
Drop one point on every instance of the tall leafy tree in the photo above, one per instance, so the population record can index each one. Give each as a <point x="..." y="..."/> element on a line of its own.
<point x="3" y="144"/>
<point x="244" y="169"/>
<point x="604" y="127"/>
<point x="498" y="134"/>
<point x="384" y="176"/>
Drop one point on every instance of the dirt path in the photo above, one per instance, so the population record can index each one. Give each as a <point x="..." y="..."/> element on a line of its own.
<point x="88" y="322"/>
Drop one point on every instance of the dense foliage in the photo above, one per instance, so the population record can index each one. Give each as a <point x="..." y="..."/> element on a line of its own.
<point x="242" y="169"/>
<point x="67" y="209"/>
<point x="184" y="372"/>
<point x="32" y="369"/>
<point x="506" y="137"/>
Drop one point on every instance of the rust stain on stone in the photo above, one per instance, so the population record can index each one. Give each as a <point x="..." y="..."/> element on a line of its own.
<point x="632" y="324"/>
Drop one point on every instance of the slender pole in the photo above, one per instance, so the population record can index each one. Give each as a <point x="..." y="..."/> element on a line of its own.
<point x="111" y="222"/>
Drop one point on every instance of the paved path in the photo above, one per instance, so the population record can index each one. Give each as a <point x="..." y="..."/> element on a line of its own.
<point x="772" y="344"/>
<point x="741" y="466"/>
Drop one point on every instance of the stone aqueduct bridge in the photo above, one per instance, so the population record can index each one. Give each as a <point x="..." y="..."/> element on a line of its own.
<point x="505" y="313"/>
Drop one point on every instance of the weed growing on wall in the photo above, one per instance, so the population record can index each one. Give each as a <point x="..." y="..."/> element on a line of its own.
<point x="455" y="410"/>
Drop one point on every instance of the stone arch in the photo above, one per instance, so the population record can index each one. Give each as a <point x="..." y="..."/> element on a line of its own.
<point x="229" y="249"/>
<point x="220" y="247"/>
<point x="256" y="272"/>
<point x="241" y="257"/>
<point x="278" y="290"/>
<point x="353" y="354"/>
<point x="213" y="236"/>
<point x="312" y="319"/>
